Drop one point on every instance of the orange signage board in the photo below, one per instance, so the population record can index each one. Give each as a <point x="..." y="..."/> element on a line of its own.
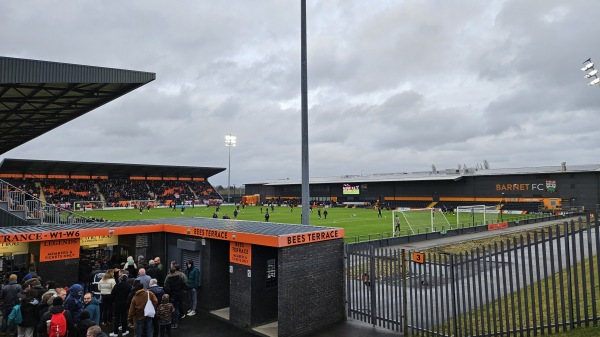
<point x="240" y="253"/>
<point x="418" y="257"/>
<point x="495" y="226"/>
<point x="303" y="238"/>
<point x="109" y="235"/>
<point x="256" y="239"/>
<point x="59" y="250"/>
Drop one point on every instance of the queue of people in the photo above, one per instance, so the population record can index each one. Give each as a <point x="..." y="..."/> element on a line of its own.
<point x="132" y="303"/>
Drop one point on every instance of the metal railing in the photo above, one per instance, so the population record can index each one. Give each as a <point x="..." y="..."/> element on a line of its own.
<point x="33" y="208"/>
<point x="439" y="231"/>
<point x="540" y="282"/>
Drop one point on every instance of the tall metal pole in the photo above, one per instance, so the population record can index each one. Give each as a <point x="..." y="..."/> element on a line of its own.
<point x="304" y="91"/>
<point x="229" y="177"/>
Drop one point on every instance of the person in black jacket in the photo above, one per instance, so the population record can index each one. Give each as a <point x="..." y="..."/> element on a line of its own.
<point x="29" y="314"/>
<point x="119" y="294"/>
<point x="57" y="306"/>
<point x="174" y="286"/>
<point x="9" y="296"/>
<point x="84" y="323"/>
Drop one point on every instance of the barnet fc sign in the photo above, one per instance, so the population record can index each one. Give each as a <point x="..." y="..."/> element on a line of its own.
<point x="549" y="187"/>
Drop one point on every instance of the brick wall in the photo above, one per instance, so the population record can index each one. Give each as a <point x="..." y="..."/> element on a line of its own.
<point x="311" y="287"/>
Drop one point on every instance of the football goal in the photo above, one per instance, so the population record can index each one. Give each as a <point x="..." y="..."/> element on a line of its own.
<point x="476" y="213"/>
<point x="144" y="203"/>
<point x="86" y="205"/>
<point x="419" y="219"/>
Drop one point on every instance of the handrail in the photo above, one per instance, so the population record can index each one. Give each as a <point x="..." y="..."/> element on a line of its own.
<point x="34" y="208"/>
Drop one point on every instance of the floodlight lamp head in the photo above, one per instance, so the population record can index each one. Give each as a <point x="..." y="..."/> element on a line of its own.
<point x="230" y="140"/>
<point x="595" y="81"/>
<point x="591" y="73"/>
<point x="588" y="66"/>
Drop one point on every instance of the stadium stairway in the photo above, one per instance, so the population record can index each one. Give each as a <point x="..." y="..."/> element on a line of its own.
<point x="10" y="218"/>
<point x="38" y="185"/>
<point x="99" y="192"/>
<point x="193" y="192"/>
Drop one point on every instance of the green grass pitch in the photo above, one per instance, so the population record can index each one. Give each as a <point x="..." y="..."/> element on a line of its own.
<point x="357" y="222"/>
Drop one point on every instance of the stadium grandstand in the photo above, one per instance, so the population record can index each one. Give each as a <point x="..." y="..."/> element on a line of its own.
<point x="100" y="185"/>
<point x="512" y="190"/>
<point x="39" y="96"/>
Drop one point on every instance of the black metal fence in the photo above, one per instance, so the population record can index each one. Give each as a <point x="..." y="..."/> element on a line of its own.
<point x="541" y="281"/>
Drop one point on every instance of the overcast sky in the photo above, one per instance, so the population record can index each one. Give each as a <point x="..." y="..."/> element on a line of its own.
<point x="394" y="86"/>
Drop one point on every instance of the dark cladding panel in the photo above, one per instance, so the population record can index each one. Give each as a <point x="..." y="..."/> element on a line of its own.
<point x="15" y="70"/>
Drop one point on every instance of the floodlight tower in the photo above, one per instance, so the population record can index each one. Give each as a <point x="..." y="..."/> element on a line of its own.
<point x="230" y="142"/>
<point x="588" y="65"/>
<point x="304" y="116"/>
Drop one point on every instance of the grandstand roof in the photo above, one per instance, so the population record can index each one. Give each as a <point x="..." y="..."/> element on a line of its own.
<point x="45" y="167"/>
<point x="38" y="96"/>
<point x="451" y="174"/>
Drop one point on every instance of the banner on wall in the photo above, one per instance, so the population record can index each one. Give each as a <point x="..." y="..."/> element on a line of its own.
<point x="59" y="250"/>
<point x="14" y="248"/>
<point x="96" y="241"/>
<point x="240" y="253"/>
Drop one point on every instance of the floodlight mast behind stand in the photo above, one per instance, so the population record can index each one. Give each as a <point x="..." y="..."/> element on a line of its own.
<point x="304" y="114"/>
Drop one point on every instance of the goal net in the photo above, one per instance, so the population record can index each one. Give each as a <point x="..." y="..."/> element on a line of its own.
<point x="143" y="203"/>
<point x="86" y="205"/>
<point x="476" y="214"/>
<point x="419" y="220"/>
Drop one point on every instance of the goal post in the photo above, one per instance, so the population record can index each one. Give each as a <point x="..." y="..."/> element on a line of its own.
<point x="87" y="205"/>
<point x="419" y="218"/>
<point x="144" y="203"/>
<point x="476" y="213"/>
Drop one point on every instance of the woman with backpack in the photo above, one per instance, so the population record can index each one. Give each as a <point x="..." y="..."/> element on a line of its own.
<point x="28" y="315"/>
<point x="57" y="320"/>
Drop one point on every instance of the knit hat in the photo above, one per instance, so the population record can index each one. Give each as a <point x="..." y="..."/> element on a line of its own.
<point x="85" y="314"/>
<point x="57" y="301"/>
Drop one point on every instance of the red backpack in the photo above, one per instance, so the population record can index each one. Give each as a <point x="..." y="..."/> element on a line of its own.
<point x="58" y="325"/>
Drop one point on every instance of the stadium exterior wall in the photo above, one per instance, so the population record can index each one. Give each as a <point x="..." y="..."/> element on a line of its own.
<point x="574" y="188"/>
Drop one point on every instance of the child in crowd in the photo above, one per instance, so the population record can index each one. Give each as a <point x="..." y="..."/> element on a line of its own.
<point x="165" y="315"/>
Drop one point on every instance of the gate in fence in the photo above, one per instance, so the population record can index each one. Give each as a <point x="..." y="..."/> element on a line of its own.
<point x="534" y="282"/>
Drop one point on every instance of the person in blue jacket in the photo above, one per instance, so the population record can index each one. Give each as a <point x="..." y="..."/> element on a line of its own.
<point x="91" y="304"/>
<point x="193" y="282"/>
<point x="74" y="302"/>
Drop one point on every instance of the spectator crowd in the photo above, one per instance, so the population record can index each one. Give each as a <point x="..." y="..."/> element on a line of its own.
<point x="139" y="297"/>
